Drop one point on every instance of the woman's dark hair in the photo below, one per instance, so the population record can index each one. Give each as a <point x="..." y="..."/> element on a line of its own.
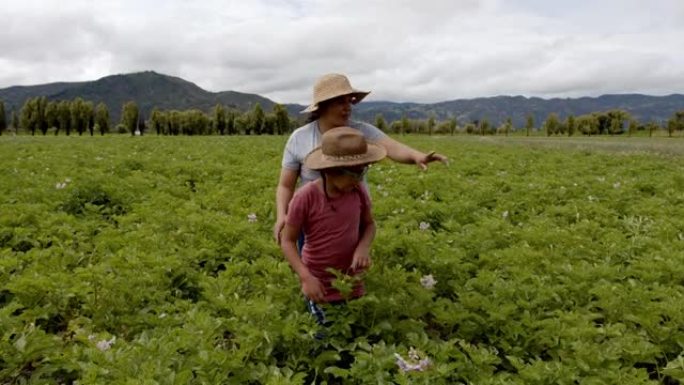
<point x="315" y="115"/>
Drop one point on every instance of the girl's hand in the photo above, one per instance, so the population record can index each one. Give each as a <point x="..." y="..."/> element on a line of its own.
<point x="361" y="260"/>
<point x="312" y="288"/>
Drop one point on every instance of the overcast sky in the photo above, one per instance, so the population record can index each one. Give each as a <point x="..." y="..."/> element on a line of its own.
<point x="401" y="50"/>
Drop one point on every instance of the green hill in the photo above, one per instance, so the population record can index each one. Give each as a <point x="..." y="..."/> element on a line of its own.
<point x="148" y="89"/>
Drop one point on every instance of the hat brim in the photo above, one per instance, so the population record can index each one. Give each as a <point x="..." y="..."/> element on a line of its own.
<point x="315" y="160"/>
<point x="358" y="95"/>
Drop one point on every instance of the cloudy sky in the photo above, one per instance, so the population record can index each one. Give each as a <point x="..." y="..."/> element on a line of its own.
<point x="402" y="50"/>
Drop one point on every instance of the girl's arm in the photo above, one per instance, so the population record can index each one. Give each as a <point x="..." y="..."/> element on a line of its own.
<point x="311" y="287"/>
<point x="361" y="258"/>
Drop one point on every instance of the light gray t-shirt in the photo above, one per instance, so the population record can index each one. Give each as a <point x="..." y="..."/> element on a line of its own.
<point x="304" y="139"/>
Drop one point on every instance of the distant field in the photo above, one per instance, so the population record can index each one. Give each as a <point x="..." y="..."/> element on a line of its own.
<point x="632" y="145"/>
<point x="132" y="260"/>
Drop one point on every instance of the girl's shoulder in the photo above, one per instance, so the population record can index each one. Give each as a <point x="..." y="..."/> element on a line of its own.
<point x="309" y="190"/>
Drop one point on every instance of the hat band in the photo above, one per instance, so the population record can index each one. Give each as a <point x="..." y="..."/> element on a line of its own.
<point x="344" y="157"/>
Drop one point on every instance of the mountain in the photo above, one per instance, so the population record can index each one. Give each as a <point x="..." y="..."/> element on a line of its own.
<point x="150" y="89"/>
<point x="497" y="109"/>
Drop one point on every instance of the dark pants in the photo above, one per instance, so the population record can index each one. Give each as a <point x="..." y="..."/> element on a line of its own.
<point x="312" y="307"/>
<point x="317" y="312"/>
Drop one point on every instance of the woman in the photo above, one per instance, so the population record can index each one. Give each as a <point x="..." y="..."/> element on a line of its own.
<point x="333" y="97"/>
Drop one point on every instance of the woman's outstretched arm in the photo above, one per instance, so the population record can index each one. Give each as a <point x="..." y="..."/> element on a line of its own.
<point x="402" y="153"/>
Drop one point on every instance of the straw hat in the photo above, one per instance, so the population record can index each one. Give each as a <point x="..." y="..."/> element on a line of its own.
<point x="343" y="146"/>
<point x="331" y="86"/>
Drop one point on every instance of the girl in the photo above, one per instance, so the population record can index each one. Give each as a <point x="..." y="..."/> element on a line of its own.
<point x="334" y="214"/>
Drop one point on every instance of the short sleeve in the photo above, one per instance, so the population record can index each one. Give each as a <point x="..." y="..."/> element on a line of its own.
<point x="290" y="160"/>
<point x="370" y="132"/>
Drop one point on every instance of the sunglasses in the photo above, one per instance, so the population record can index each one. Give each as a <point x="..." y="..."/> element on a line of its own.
<point x="356" y="173"/>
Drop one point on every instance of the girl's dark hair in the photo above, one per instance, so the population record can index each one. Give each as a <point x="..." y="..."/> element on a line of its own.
<point x="325" y="190"/>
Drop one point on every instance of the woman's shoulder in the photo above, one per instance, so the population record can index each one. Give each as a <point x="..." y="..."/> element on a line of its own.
<point x="299" y="144"/>
<point x="368" y="130"/>
<point x="303" y="130"/>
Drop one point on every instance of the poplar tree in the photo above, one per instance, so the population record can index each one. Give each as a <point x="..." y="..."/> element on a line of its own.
<point x="64" y="117"/>
<point x="282" y="119"/>
<point x="40" y="118"/>
<point x="380" y="122"/>
<point x="633" y="126"/>
<point x="257" y="119"/>
<point x="129" y="116"/>
<point x="52" y="115"/>
<point x="219" y="119"/>
<point x="15" y="121"/>
<point x="102" y="118"/>
<point x="157" y="121"/>
<point x="405" y="125"/>
<point x="508" y="126"/>
<point x="28" y="115"/>
<point x="552" y="124"/>
<point x="484" y="126"/>
<point x="430" y="125"/>
<point x="88" y="116"/>
<point x="231" y="125"/>
<point x="677" y="121"/>
<point x="571" y="125"/>
<point x="79" y="118"/>
<point x="3" y="118"/>
<point x="529" y="125"/>
<point x="453" y="123"/>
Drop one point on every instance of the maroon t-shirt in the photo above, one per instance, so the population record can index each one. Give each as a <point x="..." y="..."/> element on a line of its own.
<point x="331" y="230"/>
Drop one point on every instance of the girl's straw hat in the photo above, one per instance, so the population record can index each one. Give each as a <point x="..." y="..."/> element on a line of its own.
<point x="341" y="147"/>
<point x="331" y="86"/>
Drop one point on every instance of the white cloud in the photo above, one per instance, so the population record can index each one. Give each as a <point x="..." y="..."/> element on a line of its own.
<point x="402" y="50"/>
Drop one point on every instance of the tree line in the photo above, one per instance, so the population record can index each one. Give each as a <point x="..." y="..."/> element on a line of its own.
<point x="221" y="121"/>
<point x="81" y="116"/>
<point x="77" y="116"/>
<point x="614" y="122"/>
<point x="40" y="115"/>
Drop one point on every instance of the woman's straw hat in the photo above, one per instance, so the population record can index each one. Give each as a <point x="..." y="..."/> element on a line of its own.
<point x="341" y="147"/>
<point x="331" y="86"/>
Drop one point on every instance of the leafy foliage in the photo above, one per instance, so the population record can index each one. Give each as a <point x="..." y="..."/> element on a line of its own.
<point x="150" y="260"/>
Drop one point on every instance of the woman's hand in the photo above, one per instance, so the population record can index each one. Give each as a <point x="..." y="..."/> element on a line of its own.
<point x="278" y="228"/>
<point x="312" y="288"/>
<point x="422" y="160"/>
<point x="284" y="193"/>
